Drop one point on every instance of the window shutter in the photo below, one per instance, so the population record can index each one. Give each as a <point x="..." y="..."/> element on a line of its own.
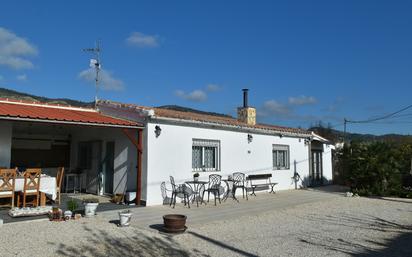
<point x="281" y="147"/>
<point x="206" y="143"/>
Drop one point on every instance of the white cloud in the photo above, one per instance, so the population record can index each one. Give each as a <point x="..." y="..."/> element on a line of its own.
<point x="107" y="81"/>
<point x="22" y="77"/>
<point x="302" y="100"/>
<point x="213" y="88"/>
<point x="198" y="95"/>
<point x="272" y="107"/>
<point x="14" y="50"/>
<point x="287" y="111"/>
<point x="141" y="40"/>
<point x="195" y="96"/>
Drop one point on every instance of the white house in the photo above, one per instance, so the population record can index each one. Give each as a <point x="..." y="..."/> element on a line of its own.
<point x="180" y="143"/>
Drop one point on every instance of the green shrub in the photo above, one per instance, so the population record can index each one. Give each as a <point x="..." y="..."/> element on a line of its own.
<point x="375" y="168"/>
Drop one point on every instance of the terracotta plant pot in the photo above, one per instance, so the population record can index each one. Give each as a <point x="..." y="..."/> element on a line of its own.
<point x="174" y="223"/>
<point x="118" y="198"/>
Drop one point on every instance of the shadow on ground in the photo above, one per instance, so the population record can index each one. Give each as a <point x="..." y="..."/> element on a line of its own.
<point x="222" y="245"/>
<point x="333" y="189"/>
<point x="208" y="240"/>
<point x="99" y="243"/>
<point x="398" y="246"/>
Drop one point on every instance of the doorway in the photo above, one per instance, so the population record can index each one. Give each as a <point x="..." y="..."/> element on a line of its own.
<point x="316" y="176"/>
<point x="108" y="169"/>
<point x="90" y="155"/>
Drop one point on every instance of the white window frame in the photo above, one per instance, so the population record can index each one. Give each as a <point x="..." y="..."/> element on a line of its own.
<point x="207" y="143"/>
<point x="277" y="148"/>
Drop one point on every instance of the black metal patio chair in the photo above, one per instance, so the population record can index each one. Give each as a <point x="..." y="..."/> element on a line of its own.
<point x="213" y="187"/>
<point x="239" y="181"/>
<point x="179" y="190"/>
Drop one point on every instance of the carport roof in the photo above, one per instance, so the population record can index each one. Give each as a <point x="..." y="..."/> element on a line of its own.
<point x="40" y="112"/>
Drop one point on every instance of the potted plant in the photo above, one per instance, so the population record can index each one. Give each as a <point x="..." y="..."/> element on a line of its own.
<point x="90" y="206"/>
<point x="196" y="176"/>
<point x="72" y="207"/>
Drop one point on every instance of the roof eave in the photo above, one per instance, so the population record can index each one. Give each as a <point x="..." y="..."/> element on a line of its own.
<point x="93" y="124"/>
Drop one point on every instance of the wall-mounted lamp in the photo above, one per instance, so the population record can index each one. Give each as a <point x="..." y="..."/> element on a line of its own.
<point x="280" y="135"/>
<point x="157" y="131"/>
<point x="249" y="138"/>
<point x="307" y="141"/>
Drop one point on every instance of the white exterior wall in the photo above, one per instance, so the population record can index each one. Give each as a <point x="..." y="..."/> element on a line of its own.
<point x="125" y="161"/>
<point x="171" y="155"/>
<point x="6" y="131"/>
<point x="327" y="163"/>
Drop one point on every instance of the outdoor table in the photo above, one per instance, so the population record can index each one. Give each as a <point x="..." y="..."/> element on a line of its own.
<point x="197" y="186"/>
<point x="230" y="192"/>
<point x="47" y="186"/>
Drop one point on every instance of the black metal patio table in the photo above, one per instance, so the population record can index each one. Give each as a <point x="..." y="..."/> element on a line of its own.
<point x="196" y="186"/>
<point x="230" y="192"/>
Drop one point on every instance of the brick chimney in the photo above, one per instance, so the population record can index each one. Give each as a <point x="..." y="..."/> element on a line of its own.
<point x="246" y="114"/>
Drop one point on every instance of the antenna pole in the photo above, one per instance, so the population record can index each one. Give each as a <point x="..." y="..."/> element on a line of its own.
<point x="96" y="51"/>
<point x="344" y="130"/>
<point x="97" y="67"/>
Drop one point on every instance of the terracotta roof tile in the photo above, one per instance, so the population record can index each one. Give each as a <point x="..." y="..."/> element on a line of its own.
<point x="193" y="116"/>
<point x="222" y="120"/>
<point x="37" y="111"/>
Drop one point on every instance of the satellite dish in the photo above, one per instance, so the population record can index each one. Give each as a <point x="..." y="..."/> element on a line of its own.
<point x="94" y="64"/>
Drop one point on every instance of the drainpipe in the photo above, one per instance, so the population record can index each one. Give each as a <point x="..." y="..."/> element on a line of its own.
<point x="309" y="160"/>
<point x="139" y="165"/>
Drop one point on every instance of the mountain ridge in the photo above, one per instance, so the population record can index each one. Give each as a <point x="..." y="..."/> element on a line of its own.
<point x="15" y="95"/>
<point x="333" y="135"/>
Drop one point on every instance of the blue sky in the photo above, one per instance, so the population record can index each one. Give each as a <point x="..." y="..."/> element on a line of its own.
<point x="303" y="61"/>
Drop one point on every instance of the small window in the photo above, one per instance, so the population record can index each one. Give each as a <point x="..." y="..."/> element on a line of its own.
<point x="205" y="155"/>
<point x="280" y="155"/>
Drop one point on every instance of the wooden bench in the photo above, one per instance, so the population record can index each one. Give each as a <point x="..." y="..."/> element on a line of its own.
<point x="258" y="180"/>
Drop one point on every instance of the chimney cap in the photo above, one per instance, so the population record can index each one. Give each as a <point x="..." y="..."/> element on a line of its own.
<point x="245" y="89"/>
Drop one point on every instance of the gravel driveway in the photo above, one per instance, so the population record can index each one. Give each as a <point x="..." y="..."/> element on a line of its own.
<point x="337" y="226"/>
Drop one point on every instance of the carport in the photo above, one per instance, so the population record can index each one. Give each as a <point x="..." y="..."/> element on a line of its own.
<point x="104" y="152"/>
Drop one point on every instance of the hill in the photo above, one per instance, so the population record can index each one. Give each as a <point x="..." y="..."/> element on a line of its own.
<point x="186" y="109"/>
<point x="15" y="95"/>
<point x="337" y="136"/>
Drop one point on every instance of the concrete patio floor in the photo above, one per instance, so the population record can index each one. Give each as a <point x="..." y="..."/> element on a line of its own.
<point x="104" y="205"/>
<point x="263" y="202"/>
<point x="147" y="216"/>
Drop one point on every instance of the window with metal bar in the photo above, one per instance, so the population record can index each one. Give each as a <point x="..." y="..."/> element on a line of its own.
<point x="205" y="155"/>
<point x="281" y="157"/>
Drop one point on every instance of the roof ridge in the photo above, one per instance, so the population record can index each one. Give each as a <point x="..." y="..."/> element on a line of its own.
<point x="204" y="117"/>
<point x="196" y="113"/>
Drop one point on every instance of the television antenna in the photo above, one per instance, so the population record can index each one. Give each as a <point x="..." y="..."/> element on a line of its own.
<point x="95" y="63"/>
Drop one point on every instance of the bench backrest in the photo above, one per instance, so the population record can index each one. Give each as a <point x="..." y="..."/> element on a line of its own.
<point x="259" y="176"/>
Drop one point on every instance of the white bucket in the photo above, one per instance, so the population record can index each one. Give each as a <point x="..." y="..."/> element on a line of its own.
<point x="125" y="218"/>
<point x="90" y="209"/>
